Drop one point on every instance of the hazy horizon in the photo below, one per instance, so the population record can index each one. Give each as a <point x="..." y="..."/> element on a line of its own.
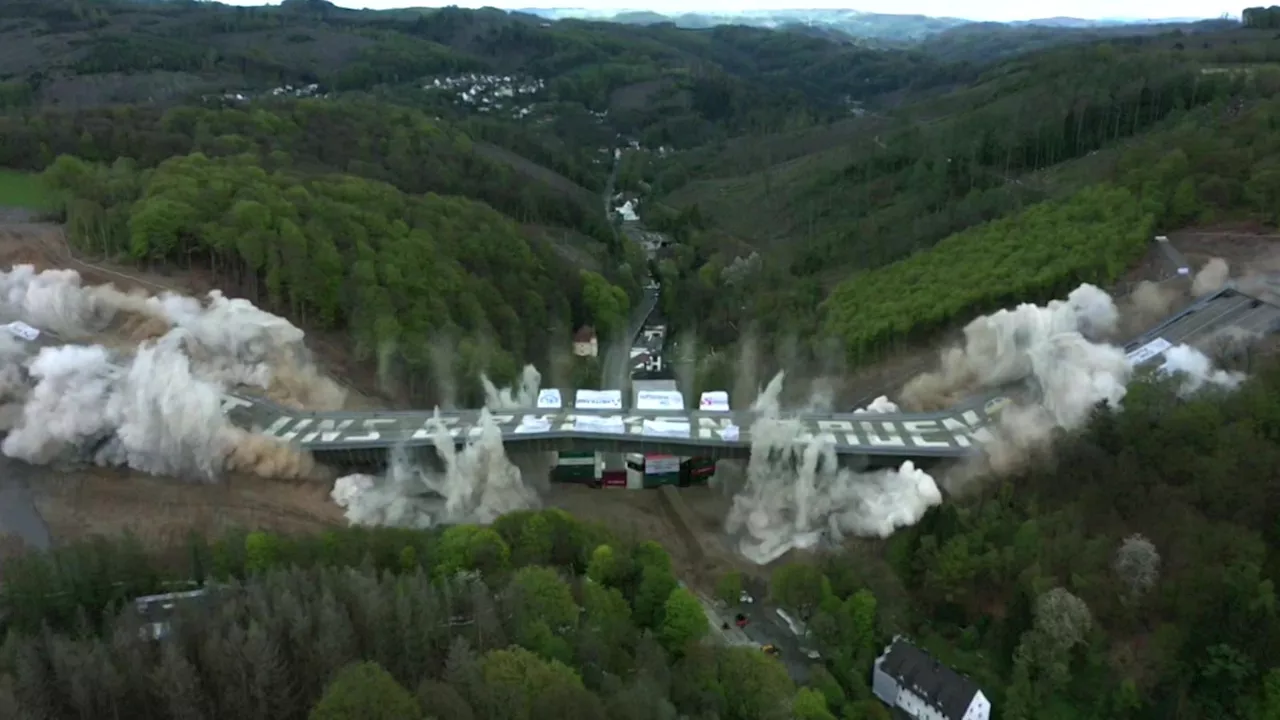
<point x="983" y="10"/>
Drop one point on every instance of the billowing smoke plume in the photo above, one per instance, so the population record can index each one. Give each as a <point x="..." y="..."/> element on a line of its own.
<point x="148" y="392"/>
<point x="474" y="484"/>
<point x="523" y="395"/>
<point x="1150" y="302"/>
<point x="796" y="494"/>
<point x="1211" y="277"/>
<point x="1003" y="348"/>
<point x="1055" y="362"/>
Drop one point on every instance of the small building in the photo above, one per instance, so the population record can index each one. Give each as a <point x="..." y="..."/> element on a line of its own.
<point x="912" y="681"/>
<point x="157" y="611"/>
<point x="628" y="212"/>
<point x="585" y="343"/>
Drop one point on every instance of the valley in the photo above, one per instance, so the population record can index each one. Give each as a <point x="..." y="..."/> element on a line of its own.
<point x="964" y="335"/>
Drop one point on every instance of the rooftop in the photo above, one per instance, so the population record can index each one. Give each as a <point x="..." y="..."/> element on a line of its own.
<point x="945" y="689"/>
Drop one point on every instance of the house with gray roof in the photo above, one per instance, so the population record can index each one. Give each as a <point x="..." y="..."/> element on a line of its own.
<point x="915" y="684"/>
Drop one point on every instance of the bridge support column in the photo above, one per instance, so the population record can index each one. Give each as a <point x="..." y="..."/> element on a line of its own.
<point x="855" y="463"/>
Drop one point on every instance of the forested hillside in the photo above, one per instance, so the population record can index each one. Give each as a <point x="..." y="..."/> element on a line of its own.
<point x="1155" y="115"/>
<point x="829" y="159"/>
<point x="244" y="142"/>
<point x="676" y="86"/>
<point x="985" y="42"/>
<point x="313" y="207"/>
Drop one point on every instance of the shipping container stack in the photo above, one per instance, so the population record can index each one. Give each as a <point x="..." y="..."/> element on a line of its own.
<point x="589" y="467"/>
<point x="651" y="470"/>
<point x="700" y="470"/>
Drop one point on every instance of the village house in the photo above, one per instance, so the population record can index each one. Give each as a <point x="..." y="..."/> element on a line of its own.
<point x="910" y="680"/>
<point x="585" y="343"/>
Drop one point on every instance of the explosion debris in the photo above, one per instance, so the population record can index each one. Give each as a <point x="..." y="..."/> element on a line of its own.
<point x="1055" y="360"/>
<point x="144" y="388"/>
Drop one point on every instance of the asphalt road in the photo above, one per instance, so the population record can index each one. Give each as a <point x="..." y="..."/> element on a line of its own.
<point x="18" y="513"/>
<point x="764" y="627"/>
<point x="617" y="351"/>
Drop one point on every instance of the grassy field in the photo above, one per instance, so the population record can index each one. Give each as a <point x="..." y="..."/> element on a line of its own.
<point x="24" y="190"/>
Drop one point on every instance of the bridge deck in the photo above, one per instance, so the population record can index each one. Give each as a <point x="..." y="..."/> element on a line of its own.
<point x="942" y="434"/>
<point x="952" y="433"/>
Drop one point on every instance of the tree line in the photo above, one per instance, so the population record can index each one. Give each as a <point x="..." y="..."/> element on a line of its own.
<point x="1039" y="254"/>
<point x="538" y="616"/>
<point x="400" y="273"/>
<point x="269" y="198"/>
<point x="1263" y="18"/>
<point x="361" y="137"/>
<point x="1132" y="577"/>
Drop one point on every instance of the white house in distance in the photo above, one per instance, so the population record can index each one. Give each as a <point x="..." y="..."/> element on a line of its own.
<point x="909" y="679"/>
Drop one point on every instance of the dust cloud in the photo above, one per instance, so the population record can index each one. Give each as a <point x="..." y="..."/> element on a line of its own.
<point x="442" y="484"/>
<point x="140" y="379"/>
<point x="474" y="484"/>
<point x="796" y="495"/>
<point x="1056" y="363"/>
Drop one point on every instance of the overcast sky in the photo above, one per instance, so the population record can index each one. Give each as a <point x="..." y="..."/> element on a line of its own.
<point x="973" y="10"/>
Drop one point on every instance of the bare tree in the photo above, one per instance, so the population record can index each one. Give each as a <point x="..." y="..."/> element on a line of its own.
<point x="1137" y="563"/>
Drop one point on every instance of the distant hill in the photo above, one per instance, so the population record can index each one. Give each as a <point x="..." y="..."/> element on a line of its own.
<point x="851" y="22"/>
<point x="987" y="42"/>
<point x="862" y="25"/>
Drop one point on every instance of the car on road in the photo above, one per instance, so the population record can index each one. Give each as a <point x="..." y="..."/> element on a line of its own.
<point x="741" y="620"/>
<point x="770" y="649"/>
<point x="795" y="626"/>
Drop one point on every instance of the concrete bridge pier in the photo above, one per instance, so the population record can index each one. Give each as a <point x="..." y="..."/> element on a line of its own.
<point x="535" y="465"/>
<point x="374" y="460"/>
<point x="872" y="463"/>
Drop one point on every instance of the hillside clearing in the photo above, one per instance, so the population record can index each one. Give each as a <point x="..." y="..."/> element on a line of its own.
<point x="24" y="190"/>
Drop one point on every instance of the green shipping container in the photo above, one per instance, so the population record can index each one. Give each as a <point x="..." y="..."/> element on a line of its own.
<point x="579" y="467"/>
<point x="655" y="481"/>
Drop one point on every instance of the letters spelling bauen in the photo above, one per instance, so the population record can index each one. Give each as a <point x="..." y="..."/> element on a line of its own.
<point x="950" y="432"/>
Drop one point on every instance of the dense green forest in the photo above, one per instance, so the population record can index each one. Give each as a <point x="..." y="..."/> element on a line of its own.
<point x="538" y="616"/>
<point x="311" y="207"/>
<point x="1139" y="115"/>
<point x="1134" y="579"/>
<point x="145" y="94"/>
<point x="1042" y="252"/>
<point x="383" y="142"/>
<point x="396" y="271"/>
